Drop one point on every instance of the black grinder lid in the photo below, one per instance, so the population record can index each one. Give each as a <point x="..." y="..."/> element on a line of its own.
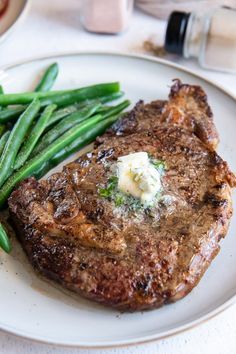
<point x="175" y="32"/>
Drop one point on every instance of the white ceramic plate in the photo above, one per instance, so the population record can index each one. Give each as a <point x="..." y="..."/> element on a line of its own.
<point x="13" y="15"/>
<point x="35" y="309"/>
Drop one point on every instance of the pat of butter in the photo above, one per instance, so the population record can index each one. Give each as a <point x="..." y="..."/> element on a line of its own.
<point x="138" y="177"/>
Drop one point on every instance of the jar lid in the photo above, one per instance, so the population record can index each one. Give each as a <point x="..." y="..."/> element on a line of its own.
<point x="175" y="32"/>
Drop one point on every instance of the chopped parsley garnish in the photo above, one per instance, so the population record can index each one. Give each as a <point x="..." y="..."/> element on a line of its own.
<point x="105" y="192"/>
<point x="119" y="199"/>
<point x="111" y="186"/>
<point x="113" y="182"/>
<point x="159" y="165"/>
<point x="112" y="193"/>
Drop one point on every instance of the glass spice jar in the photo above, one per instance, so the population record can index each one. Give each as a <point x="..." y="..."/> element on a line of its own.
<point x="210" y="37"/>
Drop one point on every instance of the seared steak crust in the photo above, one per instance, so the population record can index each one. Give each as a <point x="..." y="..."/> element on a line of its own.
<point x="114" y="256"/>
<point x="187" y="107"/>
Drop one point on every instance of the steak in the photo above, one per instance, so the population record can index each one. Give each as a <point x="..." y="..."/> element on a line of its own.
<point x="133" y="258"/>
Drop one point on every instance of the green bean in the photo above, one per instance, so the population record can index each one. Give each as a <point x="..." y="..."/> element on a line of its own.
<point x="44" y="85"/>
<point x="65" y="111"/>
<point x="8" y="114"/>
<point x="34" y="164"/>
<point x="4" y="240"/>
<point x="42" y="170"/>
<point x="34" y="136"/>
<point x="81" y="95"/>
<point x="15" y="140"/>
<point x="116" y="109"/>
<point x="11" y="113"/>
<point x="83" y="140"/>
<point x="61" y="98"/>
<point x="108" y="111"/>
<point x="2" y="129"/>
<point x="104" y="109"/>
<point x="1" y="92"/>
<point x="64" y="125"/>
<point x="61" y="113"/>
<point x="103" y="99"/>
<point x="3" y="141"/>
<point x="112" y="97"/>
<point x="48" y="79"/>
<point x="27" y="97"/>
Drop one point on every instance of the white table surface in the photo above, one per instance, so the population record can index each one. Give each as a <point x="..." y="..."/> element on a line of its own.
<point x="52" y="27"/>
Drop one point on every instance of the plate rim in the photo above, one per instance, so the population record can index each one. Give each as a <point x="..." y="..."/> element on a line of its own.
<point x="154" y="337"/>
<point x="118" y="54"/>
<point x="17" y="21"/>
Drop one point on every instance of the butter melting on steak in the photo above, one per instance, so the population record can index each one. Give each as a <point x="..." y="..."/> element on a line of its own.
<point x="106" y="253"/>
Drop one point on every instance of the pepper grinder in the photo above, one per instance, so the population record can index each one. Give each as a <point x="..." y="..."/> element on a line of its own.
<point x="106" y="16"/>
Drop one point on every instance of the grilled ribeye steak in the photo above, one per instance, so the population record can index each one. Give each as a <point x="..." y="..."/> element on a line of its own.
<point x="126" y="258"/>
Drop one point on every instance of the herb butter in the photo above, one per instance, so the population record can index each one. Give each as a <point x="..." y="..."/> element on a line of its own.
<point x="138" y="177"/>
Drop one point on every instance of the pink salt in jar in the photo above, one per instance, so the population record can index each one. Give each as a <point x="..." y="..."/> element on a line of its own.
<point x="106" y="16"/>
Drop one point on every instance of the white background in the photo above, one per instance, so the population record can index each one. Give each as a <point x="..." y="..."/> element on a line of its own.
<point x="53" y="27"/>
